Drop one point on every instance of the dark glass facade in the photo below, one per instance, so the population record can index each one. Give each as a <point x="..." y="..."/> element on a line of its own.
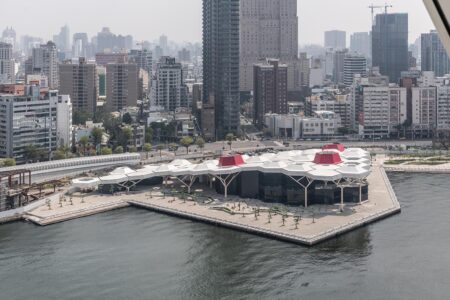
<point x="221" y="63"/>
<point x="390" y="45"/>
<point x="434" y="56"/>
<point x="279" y="188"/>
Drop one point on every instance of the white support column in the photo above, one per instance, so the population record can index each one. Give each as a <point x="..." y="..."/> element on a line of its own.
<point x="305" y="187"/>
<point x="342" y="198"/>
<point x="226" y="181"/>
<point x="191" y="181"/>
<point x="360" y="192"/>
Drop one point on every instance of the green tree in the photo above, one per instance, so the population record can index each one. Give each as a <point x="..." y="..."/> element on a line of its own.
<point x="80" y="117"/>
<point x="127" y="119"/>
<point x="31" y="153"/>
<point x="148" y="134"/>
<point x="97" y="135"/>
<point x="186" y="142"/>
<point x="106" y="151"/>
<point x="9" y="162"/>
<point x="132" y="149"/>
<point x="230" y="138"/>
<point x="126" y="135"/>
<point x="147" y="148"/>
<point x="200" y="142"/>
<point x="58" y="155"/>
<point x="84" y="141"/>
<point x="160" y="147"/>
<point x="118" y="150"/>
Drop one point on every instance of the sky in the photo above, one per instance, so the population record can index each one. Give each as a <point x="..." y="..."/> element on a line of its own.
<point x="181" y="20"/>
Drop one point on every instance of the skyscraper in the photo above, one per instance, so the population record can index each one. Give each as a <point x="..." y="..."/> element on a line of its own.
<point x="45" y="62"/>
<point x="360" y="42"/>
<point x="268" y="29"/>
<point x="121" y="86"/>
<point x="221" y="64"/>
<point x="80" y="81"/>
<point x="336" y="39"/>
<point x="80" y="45"/>
<point x="7" y="73"/>
<point x="390" y="45"/>
<point x="434" y="56"/>
<point x="143" y="58"/>
<point x="168" y="89"/>
<point x="270" y="90"/>
<point x="338" y="65"/>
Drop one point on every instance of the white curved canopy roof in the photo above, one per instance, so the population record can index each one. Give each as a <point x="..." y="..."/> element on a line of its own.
<point x="355" y="165"/>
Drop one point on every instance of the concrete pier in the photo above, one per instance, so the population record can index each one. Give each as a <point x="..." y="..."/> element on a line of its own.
<point x="306" y="226"/>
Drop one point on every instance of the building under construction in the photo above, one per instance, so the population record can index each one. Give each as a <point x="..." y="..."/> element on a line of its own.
<point x="14" y="189"/>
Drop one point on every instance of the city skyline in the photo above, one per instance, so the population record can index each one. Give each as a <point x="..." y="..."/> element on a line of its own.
<point x="156" y="17"/>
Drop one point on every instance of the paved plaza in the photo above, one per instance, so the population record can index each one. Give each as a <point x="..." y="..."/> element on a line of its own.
<point x="303" y="225"/>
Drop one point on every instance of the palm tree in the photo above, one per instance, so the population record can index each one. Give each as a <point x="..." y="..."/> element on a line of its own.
<point x="230" y="138"/>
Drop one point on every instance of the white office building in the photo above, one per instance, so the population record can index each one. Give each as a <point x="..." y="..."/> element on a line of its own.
<point x="168" y="89"/>
<point x="384" y="110"/>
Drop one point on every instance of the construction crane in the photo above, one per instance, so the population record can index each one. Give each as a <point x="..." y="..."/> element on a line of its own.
<point x="373" y="7"/>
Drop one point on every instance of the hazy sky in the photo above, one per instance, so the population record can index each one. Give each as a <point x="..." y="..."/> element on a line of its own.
<point x="181" y="20"/>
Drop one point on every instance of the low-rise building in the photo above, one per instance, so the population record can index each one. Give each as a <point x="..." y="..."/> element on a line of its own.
<point x="322" y="124"/>
<point x="30" y="120"/>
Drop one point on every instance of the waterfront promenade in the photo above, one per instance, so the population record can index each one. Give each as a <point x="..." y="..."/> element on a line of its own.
<point x="307" y="226"/>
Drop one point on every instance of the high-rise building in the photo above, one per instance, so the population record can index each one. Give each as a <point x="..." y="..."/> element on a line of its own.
<point x="109" y="42"/>
<point x="80" y="81"/>
<point x="80" y="45"/>
<point x="45" y="61"/>
<point x="270" y="90"/>
<point x="361" y="42"/>
<point x="122" y="81"/>
<point x="9" y="36"/>
<point x="268" y="29"/>
<point x="64" y="121"/>
<point x="424" y="113"/>
<point x="434" y="57"/>
<point x="184" y="55"/>
<point x="168" y="89"/>
<point x="336" y="39"/>
<point x="62" y="40"/>
<point x="305" y="69"/>
<point x="338" y="65"/>
<point x="143" y="58"/>
<point x="354" y="64"/>
<point x="384" y="110"/>
<point x="163" y="43"/>
<point x="443" y="107"/>
<point x="7" y="68"/>
<point x="221" y="64"/>
<point x="30" y="119"/>
<point x="102" y="59"/>
<point x="390" y="45"/>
